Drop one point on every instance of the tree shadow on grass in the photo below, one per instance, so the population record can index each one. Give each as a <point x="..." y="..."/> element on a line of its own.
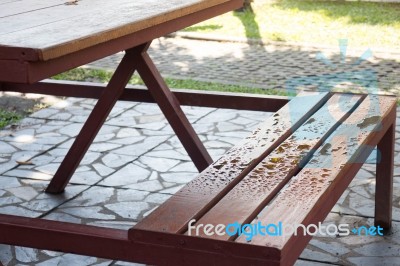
<point x="250" y="25"/>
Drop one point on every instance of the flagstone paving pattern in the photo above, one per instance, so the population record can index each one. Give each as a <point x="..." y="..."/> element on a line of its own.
<point x="136" y="163"/>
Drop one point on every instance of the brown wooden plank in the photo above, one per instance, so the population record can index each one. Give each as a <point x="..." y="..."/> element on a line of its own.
<point x="233" y="253"/>
<point x="24" y="54"/>
<point x="216" y="99"/>
<point x="114" y="244"/>
<point x="27" y="6"/>
<point x="213" y="183"/>
<point x="12" y="68"/>
<point x="103" y="21"/>
<point x="384" y="180"/>
<point x="310" y="196"/>
<point x="251" y="195"/>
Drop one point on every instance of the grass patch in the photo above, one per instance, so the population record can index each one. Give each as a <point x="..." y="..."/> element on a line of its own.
<point x="212" y="86"/>
<point x="97" y="75"/>
<point x="321" y="22"/>
<point x="84" y="74"/>
<point x="8" y="117"/>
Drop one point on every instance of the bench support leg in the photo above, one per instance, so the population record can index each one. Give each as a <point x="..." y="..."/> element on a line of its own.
<point x="384" y="180"/>
<point x="170" y="106"/>
<point x="96" y="119"/>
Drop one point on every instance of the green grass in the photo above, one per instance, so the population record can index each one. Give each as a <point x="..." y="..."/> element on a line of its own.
<point x="85" y="74"/>
<point x="8" y="117"/>
<point x="316" y="22"/>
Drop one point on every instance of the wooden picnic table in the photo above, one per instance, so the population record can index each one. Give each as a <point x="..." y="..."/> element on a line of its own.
<point x="39" y="39"/>
<point x="42" y="39"/>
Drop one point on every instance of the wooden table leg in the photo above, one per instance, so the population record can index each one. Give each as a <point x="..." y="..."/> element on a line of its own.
<point x="384" y="180"/>
<point x="170" y="106"/>
<point x="96" y="119"/>
<point x="134" y="59"/>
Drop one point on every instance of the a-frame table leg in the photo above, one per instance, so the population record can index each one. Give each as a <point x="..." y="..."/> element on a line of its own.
<point x="96" y="119"/>
<point x="170" y="106"/>
<point x="134" y="59"/>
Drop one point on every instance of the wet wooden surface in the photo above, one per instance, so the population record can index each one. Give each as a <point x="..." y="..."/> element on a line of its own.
<point x="296" y="179"/>
<point x="212" y="184"/>
<point x="55" y="28"/>
<point x="309" y="197"/>
<point x="255" y="190"/>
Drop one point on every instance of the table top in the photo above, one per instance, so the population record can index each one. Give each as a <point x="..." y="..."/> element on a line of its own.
<point x="52" y="28"/>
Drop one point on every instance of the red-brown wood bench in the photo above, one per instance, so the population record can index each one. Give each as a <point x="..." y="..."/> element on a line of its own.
<point x="292" y="169"/>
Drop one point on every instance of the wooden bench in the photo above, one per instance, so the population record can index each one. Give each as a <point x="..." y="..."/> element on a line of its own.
<point x="292" y="169"/>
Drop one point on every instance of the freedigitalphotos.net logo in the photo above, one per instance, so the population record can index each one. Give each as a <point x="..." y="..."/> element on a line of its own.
<point x="342" y="76"/>
<point x="280" y="229"/>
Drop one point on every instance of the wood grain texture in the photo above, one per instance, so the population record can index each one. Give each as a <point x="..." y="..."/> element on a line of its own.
<point x="13" y="8"/>
<point x="255" y="190"/>
<point x="309" y="196"/>
<point x="64" y="29"/>
<point x="2" y="2"/>
<point x="193" y="200"/>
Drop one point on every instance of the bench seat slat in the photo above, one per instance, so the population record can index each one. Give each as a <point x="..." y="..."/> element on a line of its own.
<point x="310" y="195"/>
<point x="255" y="190"/>
<point x="199" y="195"/>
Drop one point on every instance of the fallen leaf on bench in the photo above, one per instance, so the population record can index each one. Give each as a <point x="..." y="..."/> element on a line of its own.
<point x="71" y="2"/>
<point x="24" y="163"/>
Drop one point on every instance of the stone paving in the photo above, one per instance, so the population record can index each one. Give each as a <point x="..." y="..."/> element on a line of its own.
<point x="136" y="162"/>
<point x="269" y="66"/>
